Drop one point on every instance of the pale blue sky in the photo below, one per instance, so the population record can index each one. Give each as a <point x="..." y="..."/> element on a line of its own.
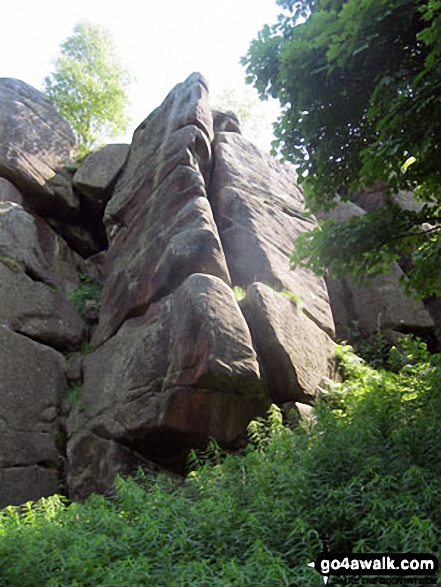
<point x="160" y="43"/>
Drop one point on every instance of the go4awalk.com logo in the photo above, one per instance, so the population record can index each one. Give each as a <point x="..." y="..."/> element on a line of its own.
<point x="379" y="565"/>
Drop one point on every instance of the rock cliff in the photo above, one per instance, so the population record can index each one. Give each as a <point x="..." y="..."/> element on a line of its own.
<point x="147" y="298"/>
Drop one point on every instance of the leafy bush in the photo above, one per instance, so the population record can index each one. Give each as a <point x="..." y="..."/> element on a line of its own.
<point x="367" y="475"/>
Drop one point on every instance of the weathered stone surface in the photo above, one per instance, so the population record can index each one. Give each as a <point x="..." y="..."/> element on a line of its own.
<point x="64" y="196"/>
<point x="174" y="361"/>
<point x="296" y="355"/>
<point x="35" y="141"/>
<point x="176" y="238"/>
<point x="344" y="210"/>
<point x="74" y="371"/>
<point x="86" y="235"/>
<point x="259" y="211"/>
<point x="9" y="193"/>
<point x="211" y="345"/>
<point x="33" y="309"/>
<point x="28" y="243"/>
<point x="94" y="463"/>
<point x="98" y="173"/>
<point x="160" y="222"/>
<point x="381" y="306"/>
<point x="95" y="266"/>
<point x="31" y="387"/>
<point x="373" y="198"/>
<point x="225" y="122"/>
<point x="178" y="132"/>
<point x="21" y="484"/>
<point x="172" y="378"/>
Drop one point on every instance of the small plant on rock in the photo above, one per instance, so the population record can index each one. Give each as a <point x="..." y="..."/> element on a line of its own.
<point x="89" y="290"/>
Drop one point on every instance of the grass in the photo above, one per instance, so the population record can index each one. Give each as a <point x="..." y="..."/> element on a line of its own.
<point x="367" y="476"/>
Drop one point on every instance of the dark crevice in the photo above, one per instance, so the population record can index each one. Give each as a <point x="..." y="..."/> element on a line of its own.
<point x="427" y="335"/>
<point x="40" y="341"/>
<point x="37" y="278"/>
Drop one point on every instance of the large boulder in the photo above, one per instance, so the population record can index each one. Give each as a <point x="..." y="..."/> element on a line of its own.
<point x="35" y="142"/>
<point x="172" y="378"/>
<point x="296" y="355"/>
<point x="381" y="306"/>
<point x="94" y="462"/>
<point x="31" y="389"/>
<point x="29" y="244"/>
<point x="19" y="484"/>
<point x="38" y="311"/>
<point x="98" y="173"/>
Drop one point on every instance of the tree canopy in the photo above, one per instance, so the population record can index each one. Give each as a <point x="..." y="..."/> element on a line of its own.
<point x="360" y="84"/>
<point x="89" y="85"/>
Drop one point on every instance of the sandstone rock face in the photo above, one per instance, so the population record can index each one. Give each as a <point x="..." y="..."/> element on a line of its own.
<point x="94" y="462"/>
<point x="98" y="173"/>
<point x="159" y="220"/>
<point x="38" y="271"/>
<point x="225" y="122"/>
<point x="183" y="372"/>
<point x="296" y="355"/>
<point x="259" y="210"/>
<point x="35" y="141"/>
<point x="29" y="244"/>
<point x="174" y="358"/>
<point x="37" y="311"/>
<point x="31" y="388"/>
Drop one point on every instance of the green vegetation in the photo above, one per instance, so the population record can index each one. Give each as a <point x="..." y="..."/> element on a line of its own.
<point x="89" y="86"/>
<point x="360" y="86"/>
<point x="294" y="298"/>
<point x="74" y="394"/>
<point x="239" y="293"/>
<point x="89" y="290"/>
<point x="367" y="475"/>
<point x="11" y="263"/>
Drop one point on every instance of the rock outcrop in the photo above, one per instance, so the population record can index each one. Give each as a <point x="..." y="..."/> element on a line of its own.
<point x="382" y="306"/>
<point x="178" y="353"/>
<point x="124" y="341"/>
<point x="166" y="227"/>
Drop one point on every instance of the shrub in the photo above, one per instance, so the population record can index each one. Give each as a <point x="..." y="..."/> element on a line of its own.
<point x="367" y="475"/>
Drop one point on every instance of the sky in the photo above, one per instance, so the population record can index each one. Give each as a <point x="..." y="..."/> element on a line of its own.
<point x="160" y="43"/>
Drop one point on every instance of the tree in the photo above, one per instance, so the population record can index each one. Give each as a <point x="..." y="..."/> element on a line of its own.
<point x="360" y="84"/>
<point x="89" y="86"/>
